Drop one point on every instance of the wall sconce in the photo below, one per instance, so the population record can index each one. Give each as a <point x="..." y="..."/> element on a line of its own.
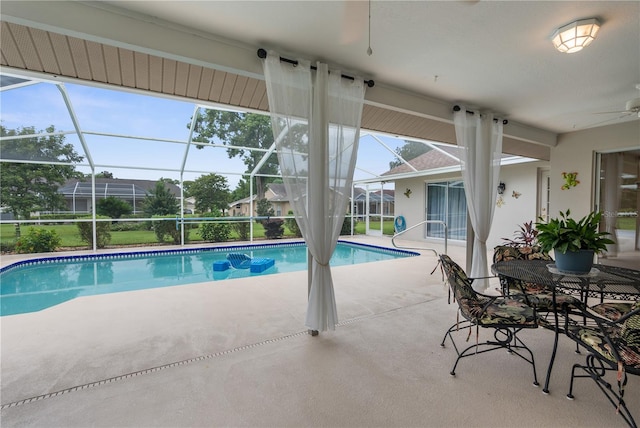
<point x="575" y="36"/>
<point x="501" y="188"/>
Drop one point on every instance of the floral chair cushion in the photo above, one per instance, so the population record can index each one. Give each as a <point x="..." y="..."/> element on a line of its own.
<point x="612" y="310"/>
<point x="503" y="253"/>
<point x="485" y="310"/>
<point x="625" y="338"/>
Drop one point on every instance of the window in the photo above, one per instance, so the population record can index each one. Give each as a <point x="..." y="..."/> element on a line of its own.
<point x="446" y="202"/>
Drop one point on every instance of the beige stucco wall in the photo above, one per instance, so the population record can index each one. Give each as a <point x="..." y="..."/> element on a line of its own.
<point x="522" y="178"/>
<point x="576" y="152"/>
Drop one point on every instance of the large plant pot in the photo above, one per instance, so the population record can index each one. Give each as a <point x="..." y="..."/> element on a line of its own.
<point x="575" y="262"/>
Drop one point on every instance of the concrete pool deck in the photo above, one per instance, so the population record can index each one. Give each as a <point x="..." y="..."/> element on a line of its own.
<point x="236" y="353"/>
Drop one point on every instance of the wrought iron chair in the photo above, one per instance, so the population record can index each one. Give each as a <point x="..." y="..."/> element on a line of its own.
<point x="536" y="295"/>
<point x="504" y="315"/>
<point x="613" y="346"/>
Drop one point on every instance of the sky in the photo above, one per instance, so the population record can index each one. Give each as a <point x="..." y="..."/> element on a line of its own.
<point x="157" y="119"/>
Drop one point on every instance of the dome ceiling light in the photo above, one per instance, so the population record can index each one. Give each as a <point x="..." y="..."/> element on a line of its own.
<point x="575" y="36"/>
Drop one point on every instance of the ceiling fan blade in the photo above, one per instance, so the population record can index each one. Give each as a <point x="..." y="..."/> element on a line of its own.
<point x="612" y="112"/>
<point x="593" y="125"/>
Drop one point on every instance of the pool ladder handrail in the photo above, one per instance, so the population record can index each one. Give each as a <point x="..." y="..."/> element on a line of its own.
<point x="446" y="234"/>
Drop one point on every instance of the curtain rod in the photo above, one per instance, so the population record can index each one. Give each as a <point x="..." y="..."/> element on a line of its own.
<point x="263" y="54"/>
<point x="458" y="108"/>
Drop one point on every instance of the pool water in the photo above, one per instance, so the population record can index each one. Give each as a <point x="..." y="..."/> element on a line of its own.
<point x="34" y="285"/>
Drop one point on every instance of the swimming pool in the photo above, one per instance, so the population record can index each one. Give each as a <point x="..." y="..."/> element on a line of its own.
<point x="33" y="285"/>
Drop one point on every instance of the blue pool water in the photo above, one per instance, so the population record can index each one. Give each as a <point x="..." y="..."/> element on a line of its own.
<point x="33" y="285"/>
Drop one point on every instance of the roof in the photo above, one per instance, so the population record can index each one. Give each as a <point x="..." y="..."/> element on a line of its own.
<point x="433" y="159"/>
<point x="114" y="187"/>
<point x="389" y="196"/>
<point x="279" y="191"/>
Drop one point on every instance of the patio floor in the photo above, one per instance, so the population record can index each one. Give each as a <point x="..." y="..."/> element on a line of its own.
<point x="236" y="353"/>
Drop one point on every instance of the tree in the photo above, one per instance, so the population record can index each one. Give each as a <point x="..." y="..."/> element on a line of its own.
<point x="160" y="201"/>
<point x="28" y="187"/>
<point x="169" y="180"/>
<point x="113" y="207"/>
<point x="264" y="209"/>
<point x="211" y="193"/>
<point x="410" y="150"/>
<point x="104" y="174"/>
<point x="241" y="191"/>
<point x="243" y="130"/>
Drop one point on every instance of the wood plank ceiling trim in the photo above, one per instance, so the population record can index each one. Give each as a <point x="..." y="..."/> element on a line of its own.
<point x="37" y="50"/>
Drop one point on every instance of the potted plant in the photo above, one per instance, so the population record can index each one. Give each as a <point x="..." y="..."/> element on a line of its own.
<point x="523" y="246"/>
<point x="574" y="242"/>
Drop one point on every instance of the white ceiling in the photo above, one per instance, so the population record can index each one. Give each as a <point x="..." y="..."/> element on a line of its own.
<point x="489" y="54"/>
<point x="427" y="55"/>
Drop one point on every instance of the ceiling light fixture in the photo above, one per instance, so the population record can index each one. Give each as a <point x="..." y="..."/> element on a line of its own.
<point x="575" y="36"/>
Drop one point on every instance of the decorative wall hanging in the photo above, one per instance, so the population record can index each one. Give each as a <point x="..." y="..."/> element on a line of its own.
<point x="516" y="194"/>
<point x="570" y="180"/>
<point x="407" y="193"/>
<point x="500" y="202"/>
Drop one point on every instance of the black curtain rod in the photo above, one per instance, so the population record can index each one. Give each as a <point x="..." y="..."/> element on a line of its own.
<point x="457" y="108"/>
<point x="263" y="54"/>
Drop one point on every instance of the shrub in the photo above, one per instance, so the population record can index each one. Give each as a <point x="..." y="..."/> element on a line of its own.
<point x="103" y="232"/>
<point x="215" y="232"/>
<point x="7" y="247"/>
<point x="273" y="228"/>
<point x="242" y="229"/>
<point x="164" y="228"/>
<point x="113" y="207"/>
<point x="346" y="226"/>
<point x="292" y="225"/>
<point x="38" y="241"/>
<point x="126" y="226"/>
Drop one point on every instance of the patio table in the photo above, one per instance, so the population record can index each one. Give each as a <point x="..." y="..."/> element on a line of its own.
<point x="603" y="282"/>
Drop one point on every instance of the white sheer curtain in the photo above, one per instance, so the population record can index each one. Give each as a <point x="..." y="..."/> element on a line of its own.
<point x="316" y="123"/>
<point x="480" y="138"/>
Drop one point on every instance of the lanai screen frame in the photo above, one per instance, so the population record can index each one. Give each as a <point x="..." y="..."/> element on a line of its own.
<point x="29" y="77"/>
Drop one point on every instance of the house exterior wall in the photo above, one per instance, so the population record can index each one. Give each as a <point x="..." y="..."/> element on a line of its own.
<point x="413" y="208"/>
<point x="523" y="178"/>
<point x="575" y="152"/>
<point x="280" y="208"/>
<point x="242" y="209"/>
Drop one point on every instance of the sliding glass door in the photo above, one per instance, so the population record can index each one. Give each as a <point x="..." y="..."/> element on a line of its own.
<point x="619" y="199"/>
<point x="446" y="202"/>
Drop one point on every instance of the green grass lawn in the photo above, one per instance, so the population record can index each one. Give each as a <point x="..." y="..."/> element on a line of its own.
<point x="71" y="238"/>
<point x="387" y="227"/>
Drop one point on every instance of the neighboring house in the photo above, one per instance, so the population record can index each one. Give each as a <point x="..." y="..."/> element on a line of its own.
<point x="77" y="193"/>
<point x="276" y="194"/>
<point x="240" y="208"/>
<point x="377" y="205"/>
